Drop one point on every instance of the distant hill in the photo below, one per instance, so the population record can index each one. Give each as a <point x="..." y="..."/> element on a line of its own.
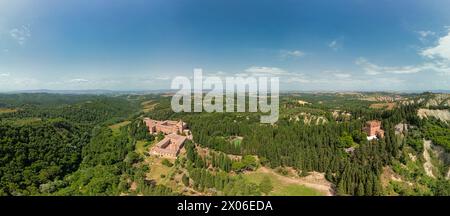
<point x="92" y="91"/>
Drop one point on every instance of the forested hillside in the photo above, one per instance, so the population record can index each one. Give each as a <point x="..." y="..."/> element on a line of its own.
<point x="98" y="145"/>
<point x="35" y="154"/>
<point x="49" y="136"/>
<point x="321" y="147"/>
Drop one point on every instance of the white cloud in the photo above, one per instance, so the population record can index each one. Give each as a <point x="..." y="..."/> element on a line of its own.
<point x="333" y="44"/>
<point x="291" y="54"/>
<point x="437" y="59"/>
<point x="298" y="80"/>
<point x="4" y="74"/>
<point x="440" y="51"/>
<point x="25" y="83"/>
<point x="217" y="74"/>
<point x="369" y="68"/>
<point x="21" y="34"/>
<point x="441" y="67"/>
<point x="285" y="76"/>
<point x="78" y="80"/>
<point x="163" y="78"/>
<point x="295" y="78"/>
<point x="348" y="83"/>
<point x="423" y="35"/>
<point x="373" y="69"/>
<point x="241" y="74"/>
<point x="389" y="80"/>
<point x="342" y="75"/>
<point x="84" y="83"/>
<point x="336" y="44"/>
<point x="265" y="70"/>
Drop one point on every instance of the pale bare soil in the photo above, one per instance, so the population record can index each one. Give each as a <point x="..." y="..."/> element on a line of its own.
<point x="443" y="115"/>
<point x="301" y="102"/>
<point x="439" y="99"/>
<point x="148" y="106"/>
<point x="428" y="166"/>
<point x="388" y="175"/>
<point x="315" y="180"/>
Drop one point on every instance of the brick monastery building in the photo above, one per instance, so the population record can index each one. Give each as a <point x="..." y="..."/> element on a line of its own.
<point x="373" y="130"/>
<point x="172" y="143"/>
<point x="170" y="146"/>
<point x="166" y="127"/>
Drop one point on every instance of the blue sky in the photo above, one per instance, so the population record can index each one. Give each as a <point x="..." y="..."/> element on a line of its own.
<point x="310" y="45"/>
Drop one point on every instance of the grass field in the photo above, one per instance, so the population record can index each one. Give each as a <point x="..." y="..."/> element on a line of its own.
<point x="148" y="106"/>
<point x="157" y="169"/>
<point x="116" y="127"/>
<point x="23" y="121"/>
<point x="7" y="110"/>
<point x="140" y="147"/>
<point x="281" y="187"/>
<point x="388" y="106"/>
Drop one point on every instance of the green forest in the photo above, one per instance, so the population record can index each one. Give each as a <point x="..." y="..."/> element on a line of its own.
<point x="57" y="144"/>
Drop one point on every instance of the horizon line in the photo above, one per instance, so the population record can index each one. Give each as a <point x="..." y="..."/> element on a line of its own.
<point x="105" y="91"/>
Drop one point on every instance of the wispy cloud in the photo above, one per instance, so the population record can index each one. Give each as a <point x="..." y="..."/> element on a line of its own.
<point x="336" y="44"/>
<point x="284" y="54"/>
<point x="349" y="83"/>
<point x="374" y="69"/>
<point x="369" y="68"/>
<point x="254" y="70"/>
<point x="424" y="35"/>
<point x="436" y="58"/>
<point x="284" y="75"/>
<point x="4" y="74"/>
<point x="78" y="80"/>
<point x="298" y="79"/>
<point x="440" y="51"/>
<point x="163" y="78"/>
<point x="21" y="34"/>
<point x="24" y="82"/>
<point x="342" y="75"/>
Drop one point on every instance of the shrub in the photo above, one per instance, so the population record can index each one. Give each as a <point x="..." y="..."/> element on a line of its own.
<point x="167" y="163"/>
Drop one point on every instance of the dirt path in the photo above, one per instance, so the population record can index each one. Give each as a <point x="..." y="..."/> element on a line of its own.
<point x="316" y="181"/>
<point x="428" y="166"/>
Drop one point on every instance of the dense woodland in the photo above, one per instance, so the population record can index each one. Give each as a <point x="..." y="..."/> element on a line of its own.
<point x="64" y="145"/>
<point x="320" y="147"/>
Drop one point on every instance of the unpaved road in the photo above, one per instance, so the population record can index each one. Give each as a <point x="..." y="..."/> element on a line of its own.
<point x="316" y="181"/>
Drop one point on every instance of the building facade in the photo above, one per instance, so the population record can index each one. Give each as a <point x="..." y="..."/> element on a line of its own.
<point x="166" y="127"/>
<point x="173" y="141"/>
<point x="170" y="146"/>
<point x="373" y="130"/>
